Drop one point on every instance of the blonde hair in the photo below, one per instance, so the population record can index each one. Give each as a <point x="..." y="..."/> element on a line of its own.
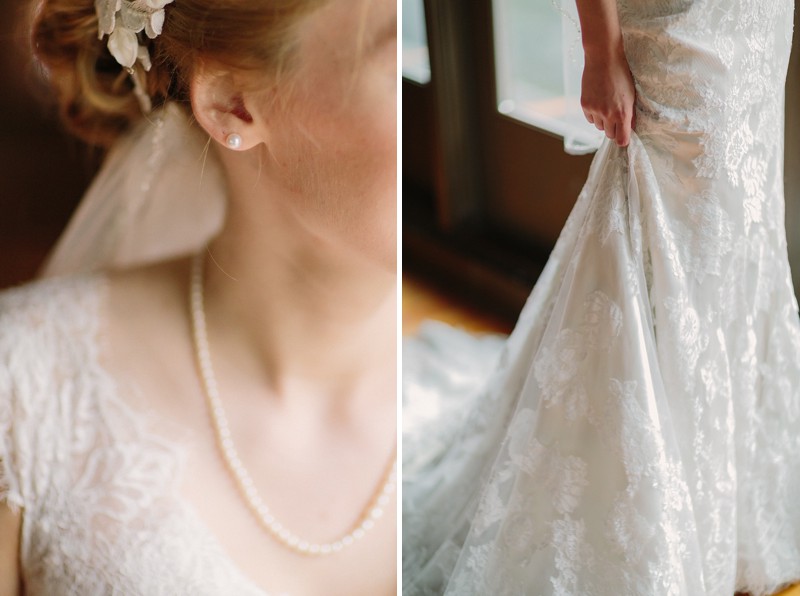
<point x="95" y="94"/>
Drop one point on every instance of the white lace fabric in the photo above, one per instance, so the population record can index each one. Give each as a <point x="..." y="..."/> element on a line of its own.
<point x="98" y="489"/>
<point x="637" y="432"/>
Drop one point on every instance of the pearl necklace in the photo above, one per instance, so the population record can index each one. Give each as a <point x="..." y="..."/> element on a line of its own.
<point x="234" y="465"/>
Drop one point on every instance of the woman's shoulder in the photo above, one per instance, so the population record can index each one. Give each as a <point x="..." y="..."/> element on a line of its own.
<point x="42" y="292"/>
<point x="37" y="317"/>
<point x="60" y="313"/>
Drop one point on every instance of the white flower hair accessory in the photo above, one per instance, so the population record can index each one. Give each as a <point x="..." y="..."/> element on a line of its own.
<point x="123" y="21"/>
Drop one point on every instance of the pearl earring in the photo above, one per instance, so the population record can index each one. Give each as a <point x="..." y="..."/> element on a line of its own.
<point x="233" y="141"/>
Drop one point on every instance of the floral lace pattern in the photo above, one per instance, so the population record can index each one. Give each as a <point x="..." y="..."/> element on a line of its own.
<point x="98" y="489"/>
<point x="636" y="433"/>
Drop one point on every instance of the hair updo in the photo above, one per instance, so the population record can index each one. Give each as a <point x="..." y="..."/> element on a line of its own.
<point x="95" y="94"/>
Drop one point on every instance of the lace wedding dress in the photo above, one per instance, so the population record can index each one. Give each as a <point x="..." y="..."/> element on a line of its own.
<point x="639" y="431"/>
<point x="98" y="485"/>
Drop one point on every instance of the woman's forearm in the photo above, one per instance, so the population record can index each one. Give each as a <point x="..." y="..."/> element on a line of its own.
<point x="600" y="29"/>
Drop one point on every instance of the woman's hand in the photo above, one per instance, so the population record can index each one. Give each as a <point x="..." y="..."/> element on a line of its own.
<point x="608" y="94"/>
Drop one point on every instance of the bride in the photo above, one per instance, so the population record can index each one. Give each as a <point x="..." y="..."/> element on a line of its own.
<point x="637" y="431"/>
<point x="199" y="404"/>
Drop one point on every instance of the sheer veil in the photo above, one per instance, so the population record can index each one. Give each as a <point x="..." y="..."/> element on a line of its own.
<point x="159" y="194"/>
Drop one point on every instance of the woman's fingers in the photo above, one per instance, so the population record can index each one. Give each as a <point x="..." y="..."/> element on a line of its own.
<point x="611" y="130"/>
<point x="623" y="136"/>
<point x="617" y="128"/>
<point x="630" y="127"/>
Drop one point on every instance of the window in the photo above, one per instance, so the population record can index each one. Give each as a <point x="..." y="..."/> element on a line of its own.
<point x="485" y="193"/>
<point x="538" y="62"/>
<point x="416" y="62"/>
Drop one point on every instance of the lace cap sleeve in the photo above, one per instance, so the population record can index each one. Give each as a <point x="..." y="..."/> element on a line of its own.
<point x="14" y="377"/>
<point x="10" y="492"/>
<point x="39" y="337"/>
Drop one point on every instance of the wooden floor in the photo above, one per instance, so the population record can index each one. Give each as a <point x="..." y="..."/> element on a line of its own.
<point x="421" y="300"/>
<point x="424" y="301"/>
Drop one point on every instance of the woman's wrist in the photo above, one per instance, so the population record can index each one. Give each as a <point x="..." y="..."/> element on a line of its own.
<point x="604" y="50"/>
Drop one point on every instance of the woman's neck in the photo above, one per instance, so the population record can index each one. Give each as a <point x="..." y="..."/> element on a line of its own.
<point x="308" y="317"/>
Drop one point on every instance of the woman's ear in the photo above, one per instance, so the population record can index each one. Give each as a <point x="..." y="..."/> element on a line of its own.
<point x="220" y="109"/>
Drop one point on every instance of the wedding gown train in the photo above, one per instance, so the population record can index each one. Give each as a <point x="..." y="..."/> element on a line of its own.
<point x="637" y="433"/>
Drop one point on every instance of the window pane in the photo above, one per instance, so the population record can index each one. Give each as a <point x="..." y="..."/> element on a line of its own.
<point x="416" y="63"/>
<point x="534" y="82"/>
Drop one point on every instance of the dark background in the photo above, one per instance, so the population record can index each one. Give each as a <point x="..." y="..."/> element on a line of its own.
<point x="43" y="171"/>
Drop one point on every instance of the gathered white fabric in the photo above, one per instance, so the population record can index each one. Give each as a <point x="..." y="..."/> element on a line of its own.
<point x="160" y="193"/>
<point x="637" y="433"/>
<point x="98" y="485"/>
